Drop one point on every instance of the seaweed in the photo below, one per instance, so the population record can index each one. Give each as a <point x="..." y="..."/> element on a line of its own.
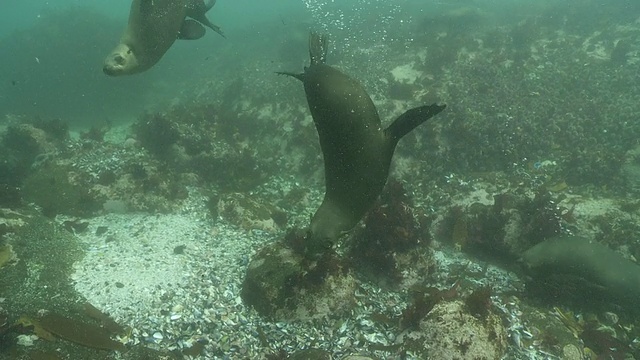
<point x="75" y="226"/>
<point x="44" y="355"/>
<point x="479" y="302"/>
<point x="10" y="196"/>
<point x="7" y="256"/>
<point x="157" y="134"/>
<point x="95" y="133"/>
<point x="619" y="54"/>
<point x="51" y="187"/>
<point x="80" y="333"/>
<point x="56" y="128"/>
<point x="604" y="344"/>
<point x="5" y="327"/>
<point x="107" y="322"/>
<point x="37" y="328"/>
<point x="391" y="229"/>
<point x="423" y="299"/>
<point x="460" y="235"/>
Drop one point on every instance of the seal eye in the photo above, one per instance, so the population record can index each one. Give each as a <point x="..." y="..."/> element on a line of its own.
<point x="119" y="59"/>
<point x="129" y="52"/>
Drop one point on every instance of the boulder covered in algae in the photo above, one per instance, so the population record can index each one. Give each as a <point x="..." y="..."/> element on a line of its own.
<point x="281" y="284"/>
<point x="452" y="332"/>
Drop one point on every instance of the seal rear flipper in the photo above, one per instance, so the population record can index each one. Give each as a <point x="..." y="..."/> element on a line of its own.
<point x="318" y="46"/>
<point x="198" y="12"/>
<point x="297" y="76"/>
<point x="215" y="28"/>
<point x="191" y="30"/>
<point x="211" y="4"/>
<point x="202" y="18"/>
<point x="408" y="121"/>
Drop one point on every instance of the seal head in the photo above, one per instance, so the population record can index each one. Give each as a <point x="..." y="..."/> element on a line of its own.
<point x="357" y="151"/>
<point x="120" y="60"/>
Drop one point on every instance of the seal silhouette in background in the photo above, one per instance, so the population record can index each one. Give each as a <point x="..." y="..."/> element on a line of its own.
<point x="357" y="151"/>
<point x="153" y="27"/>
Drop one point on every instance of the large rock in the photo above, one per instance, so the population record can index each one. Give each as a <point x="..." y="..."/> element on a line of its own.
<point x="451" y="332"/>
<point x="282" y="285"/>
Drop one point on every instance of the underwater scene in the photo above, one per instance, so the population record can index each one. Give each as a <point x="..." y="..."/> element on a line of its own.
<point x="320" y="179"/>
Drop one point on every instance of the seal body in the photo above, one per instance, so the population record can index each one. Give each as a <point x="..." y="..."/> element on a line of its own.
<point x="611" y="276"/>
<point x="154" y="25"/>
<point x="357" y="151"/>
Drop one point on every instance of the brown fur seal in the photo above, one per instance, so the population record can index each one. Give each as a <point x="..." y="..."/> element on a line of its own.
<point x="607" y="274"/>
<point x="153" y="27"/>
<point x="357" y="151"/>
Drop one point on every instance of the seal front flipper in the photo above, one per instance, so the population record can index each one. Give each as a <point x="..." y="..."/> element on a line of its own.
<point x="408" y="121"/>
<point x="191" y="30"/>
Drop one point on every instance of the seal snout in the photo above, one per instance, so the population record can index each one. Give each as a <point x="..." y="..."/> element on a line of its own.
<point x="121" y="61"/>
<point x="108" y="70"/>
<point x="114" y="65"/>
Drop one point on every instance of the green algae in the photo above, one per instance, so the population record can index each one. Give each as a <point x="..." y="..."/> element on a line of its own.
<point x="40" y="280"/>
<point x="51" y="188"/>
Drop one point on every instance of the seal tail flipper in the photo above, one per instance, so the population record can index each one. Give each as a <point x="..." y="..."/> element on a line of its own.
<point x="410" y="120"/>
<point x="318" y="45"/>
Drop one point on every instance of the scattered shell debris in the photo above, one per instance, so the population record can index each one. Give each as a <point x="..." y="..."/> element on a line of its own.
<point x="172" y="301"/>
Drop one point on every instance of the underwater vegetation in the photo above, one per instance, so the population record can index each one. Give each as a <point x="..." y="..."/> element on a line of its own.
<point x="28" y="146"/>
<point x="71" y="330"/>
<point x="7" y="255"/>
<point x="28" y="140"/>
<point x="193" y="139"/>
<point x="39" y="299"/>
<point x="51" y="187"/>
<point x="451" y="332"/>
<point x="10" y="196"/>
<point x="247" y="212"/>
<point x="282" y="284"/>
<point x="44" y="165"/>
<point x="391" y="229"/>
<point x="522" y="99"/>
<point x="514" y="222"/>
<point x="39" y="276"/>
<point x="542" y="125"/>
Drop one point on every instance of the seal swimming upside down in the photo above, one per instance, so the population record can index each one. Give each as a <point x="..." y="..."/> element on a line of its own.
<point x="357" y="151"/>
<point x="153" y="27"/>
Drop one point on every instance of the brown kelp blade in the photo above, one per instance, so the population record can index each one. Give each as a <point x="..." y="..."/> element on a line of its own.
<point x="107" y="322"/>
<point x="79" y="332"/>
